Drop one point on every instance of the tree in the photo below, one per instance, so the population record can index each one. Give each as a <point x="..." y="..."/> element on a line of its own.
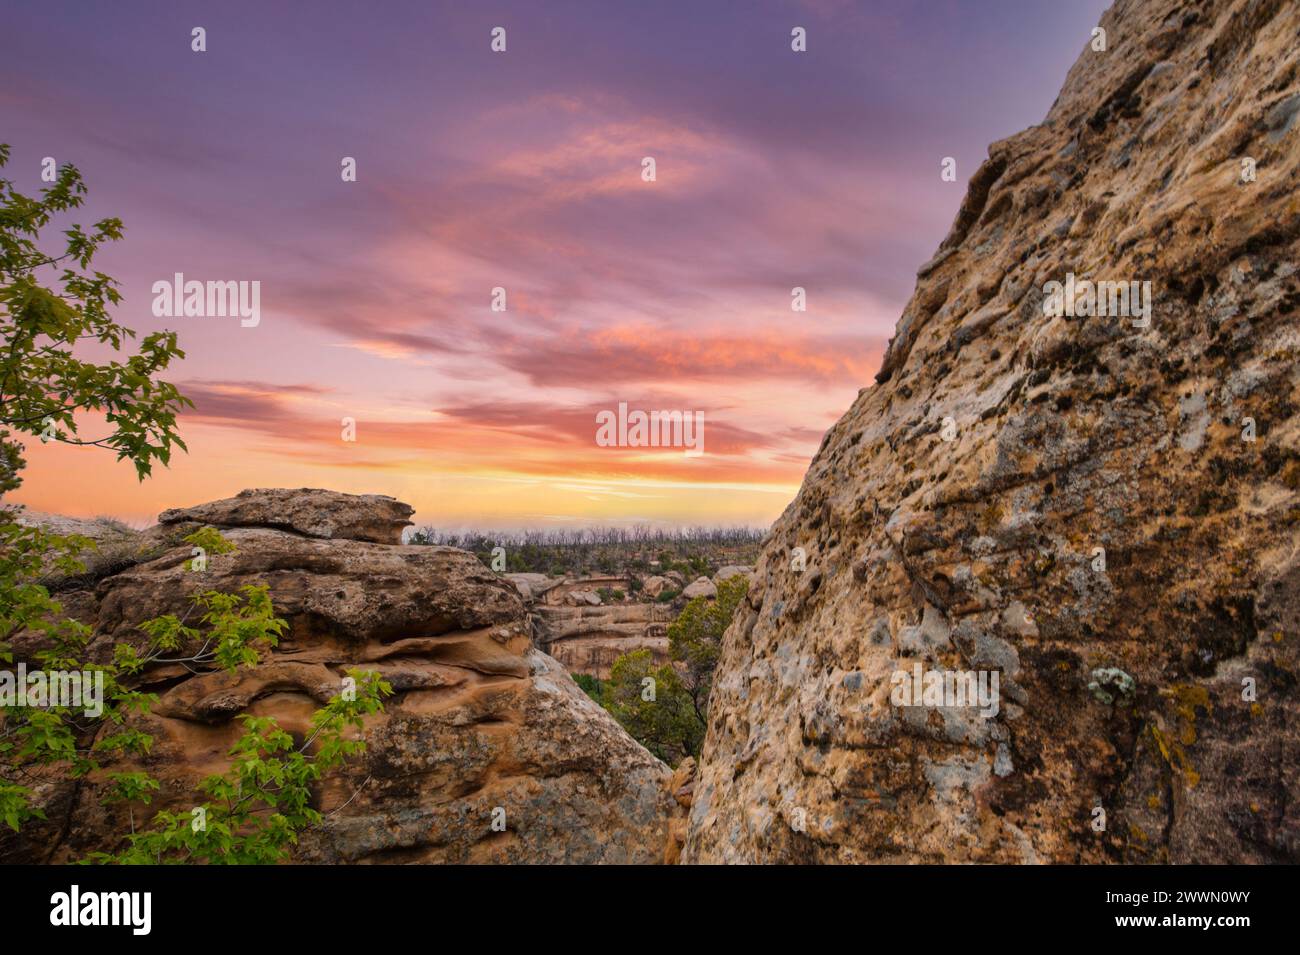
<point x="695" y="639"/>
<point x="671" y="723"/>
<point x="258" y="807"/>
<point x="42" y="383"/>
<point x="651" y="703"/>
<point x="42" y="386"/>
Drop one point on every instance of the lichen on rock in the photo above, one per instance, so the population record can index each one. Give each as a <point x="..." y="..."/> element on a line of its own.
<point x="1053" y="495"/>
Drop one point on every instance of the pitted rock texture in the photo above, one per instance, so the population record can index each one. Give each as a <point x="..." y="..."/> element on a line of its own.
<point x="311" y="511"/>
<point x="480" y="719"/>
<point x="1094" y="502"/>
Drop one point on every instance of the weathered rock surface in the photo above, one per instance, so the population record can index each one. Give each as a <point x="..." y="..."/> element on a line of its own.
<point x="732" y="570"/>
<point x="655" y="585"/>
<point x="311" y="511"/>
<point x="1049" y="497"/>
<point x="700" y="587"/>
<point x="480" y="719"/>
<point x="589" y="639"/>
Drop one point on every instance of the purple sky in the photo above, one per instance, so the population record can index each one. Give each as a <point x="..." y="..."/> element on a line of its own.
<point x="522" y="170"/>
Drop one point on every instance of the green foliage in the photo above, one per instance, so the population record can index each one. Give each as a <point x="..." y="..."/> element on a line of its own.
<point x="36" y="735"/>
<point x="42" y="385"/>
<point x="259" y="806"/>
<point x="47" y="735"/>
<point x="210" y="541"/>
<point x="15" y="805"/>
<point x="695" y="638"/>
<point x="255" y="810"/>
<point x="589" y="685"/>
<point x="667" y="725"/>
<point x="672" y="725"/>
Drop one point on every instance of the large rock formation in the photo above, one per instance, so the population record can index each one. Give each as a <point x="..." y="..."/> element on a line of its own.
<point x="480" y="718"/>
<point x="1104" y="514"/>
<point x="589" y="639"/>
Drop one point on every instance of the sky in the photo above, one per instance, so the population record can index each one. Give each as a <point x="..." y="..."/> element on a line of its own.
<point x="520" y="170"/>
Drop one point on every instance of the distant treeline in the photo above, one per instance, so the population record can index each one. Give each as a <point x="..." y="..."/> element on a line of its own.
<point x="684" y="537"/>
<point x="694" y="551"/>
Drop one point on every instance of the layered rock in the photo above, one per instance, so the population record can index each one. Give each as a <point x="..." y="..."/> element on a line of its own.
<point x="1103" y="512"/>
<point x="589" y="639"/>
<point x="480" y="721"/>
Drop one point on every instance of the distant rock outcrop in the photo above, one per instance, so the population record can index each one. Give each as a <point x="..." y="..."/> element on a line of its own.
<point x="732" y="570"/>
<point x="589" y="639"/>
<point x="700" y="587"/>
<point x="1103" y="511"/>
<point x="480" y="719"/>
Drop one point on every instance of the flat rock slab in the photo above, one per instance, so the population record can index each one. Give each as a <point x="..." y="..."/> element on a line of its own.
<point x="312" y="512"/>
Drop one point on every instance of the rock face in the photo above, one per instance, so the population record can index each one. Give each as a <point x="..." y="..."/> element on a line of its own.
<point x="589" y="639"/>
<point x="701" y="587"/>
<point x="1104" y="513"/>
<point x="480" y="718"/>
<point x="531" y="586"/>
<point x="310" y="511"/>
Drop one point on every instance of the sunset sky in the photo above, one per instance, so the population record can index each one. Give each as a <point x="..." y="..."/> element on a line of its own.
<point x="522" y="170"/>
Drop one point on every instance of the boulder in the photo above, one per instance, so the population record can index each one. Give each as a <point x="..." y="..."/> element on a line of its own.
<point x="681" y="786"/>
<point x="701" y="587"/>
<point x="530" y="586"/>
<point x="654" y="586"/>
<point x="309" y="511"/>
<point x="480" y="718"/>
<point x="582" y="598"/>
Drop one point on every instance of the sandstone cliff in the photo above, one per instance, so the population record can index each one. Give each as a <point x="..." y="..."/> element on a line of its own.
<point x="1102" y="513"/>
<point x="589" y="639"/>
<point x="480" y="719"/>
